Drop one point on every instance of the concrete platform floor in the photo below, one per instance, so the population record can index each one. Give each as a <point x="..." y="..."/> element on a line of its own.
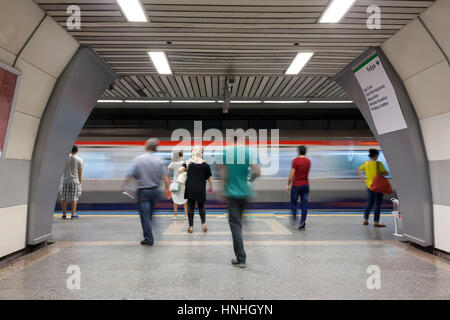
<point x="327" y="261"/>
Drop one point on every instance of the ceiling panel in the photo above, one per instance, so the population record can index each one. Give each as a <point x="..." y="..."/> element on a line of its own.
<point x="206" y="40"/>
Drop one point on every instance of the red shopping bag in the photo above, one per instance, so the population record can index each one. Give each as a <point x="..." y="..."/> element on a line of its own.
<point x="380" y="183"/>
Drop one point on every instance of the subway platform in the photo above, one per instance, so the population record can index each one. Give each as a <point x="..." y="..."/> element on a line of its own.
<point x="330" y="260"/>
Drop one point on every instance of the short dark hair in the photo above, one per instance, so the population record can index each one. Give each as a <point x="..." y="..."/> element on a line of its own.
<point x="373" y="153"/>
<point x="75" y="149"/>
<point x="152" y="144"/>
<point x="301" y="150"/>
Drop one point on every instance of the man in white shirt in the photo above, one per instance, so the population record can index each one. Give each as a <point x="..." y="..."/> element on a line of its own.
<point x="71" y="183"/>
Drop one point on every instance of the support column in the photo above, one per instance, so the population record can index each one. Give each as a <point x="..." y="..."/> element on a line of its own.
<point x="404" y="151"/>
<point x="77" y="90"/>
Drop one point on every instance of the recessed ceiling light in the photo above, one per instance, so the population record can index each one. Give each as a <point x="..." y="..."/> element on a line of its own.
<point x="331" y="101"/>
<point x="160" y="62"/>
<point x="147" y="101"/>
<point x="245" y="101"/>
<point x="109" y="101"/>
<point x="133" y="11"/>
<point x="194" y="101"/>
<point x="335" y="11"/>
<point x="286" y="101"/>
<point x="299" y="62"/>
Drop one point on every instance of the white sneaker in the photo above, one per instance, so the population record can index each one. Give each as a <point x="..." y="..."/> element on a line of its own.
<point x="174" y="218"/>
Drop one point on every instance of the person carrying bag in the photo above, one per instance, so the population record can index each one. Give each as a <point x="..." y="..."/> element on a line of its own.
<point x="176" y="187"/>
<point x="376" y="184"/>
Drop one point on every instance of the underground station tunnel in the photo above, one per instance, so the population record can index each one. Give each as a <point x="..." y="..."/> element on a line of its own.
<point x="224" y="150"/>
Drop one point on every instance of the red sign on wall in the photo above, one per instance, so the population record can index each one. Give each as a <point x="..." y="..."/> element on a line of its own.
<point x="8" y="82"/>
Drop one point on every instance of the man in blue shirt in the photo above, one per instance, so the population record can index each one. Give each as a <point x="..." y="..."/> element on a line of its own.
<point x="235" y="171"/>
<point x="148" y="170"/>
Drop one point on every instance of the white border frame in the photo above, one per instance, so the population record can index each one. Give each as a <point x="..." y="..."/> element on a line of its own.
<point x="17" y="72"/>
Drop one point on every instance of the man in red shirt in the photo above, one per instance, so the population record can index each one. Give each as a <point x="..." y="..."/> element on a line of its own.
<point x="300" y="185"/>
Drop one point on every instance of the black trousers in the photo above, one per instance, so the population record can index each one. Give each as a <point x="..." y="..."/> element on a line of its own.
<point x="236" y="208"/>
<point x="201" y="211"/>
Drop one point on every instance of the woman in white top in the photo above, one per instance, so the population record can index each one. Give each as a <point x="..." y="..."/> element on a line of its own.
<point x="178" y="196"/>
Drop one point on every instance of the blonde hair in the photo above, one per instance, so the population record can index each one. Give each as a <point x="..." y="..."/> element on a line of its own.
<point x="197" y="154"/>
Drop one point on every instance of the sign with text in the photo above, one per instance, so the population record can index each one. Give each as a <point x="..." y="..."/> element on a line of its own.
<point x="380" y="96"/>
<point x="8" y="82"/>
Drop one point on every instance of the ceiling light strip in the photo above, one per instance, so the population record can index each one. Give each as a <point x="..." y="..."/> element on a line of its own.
<point x="331" y="101"/>
<point x="133" y="11"/>
<point x="109" y="101"/>
<point x="160" y="62"/>
<point x="194" y="101"/>
<point x="147" y="101"/>
<point x="335" y="11"/>
<point x="299" y="62"/>
<point x="286" y="101"/>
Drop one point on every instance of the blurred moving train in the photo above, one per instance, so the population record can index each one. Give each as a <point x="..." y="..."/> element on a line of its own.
<point x="333" y="177"/>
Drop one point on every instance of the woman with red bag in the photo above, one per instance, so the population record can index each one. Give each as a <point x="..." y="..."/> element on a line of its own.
<point x="371" y="169"/>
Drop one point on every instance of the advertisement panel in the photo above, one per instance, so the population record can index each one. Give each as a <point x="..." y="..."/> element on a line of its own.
<point x="8" y="82"/>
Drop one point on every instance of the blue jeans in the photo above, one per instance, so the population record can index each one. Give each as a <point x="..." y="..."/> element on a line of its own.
<point x="303" y="192"/>
<point x="373" y="198"/>
<point x="147" y="199"/>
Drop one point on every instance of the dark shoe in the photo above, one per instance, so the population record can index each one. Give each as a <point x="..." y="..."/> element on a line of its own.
<point x="64" y="217"/>
<point x="74" y="216"/>
<point x="379" y="225"/>
<point x="146" y="243"/>
<point x="302" y="227"/>
<point x="238" y="264"/>
<point x="366" y="222"/>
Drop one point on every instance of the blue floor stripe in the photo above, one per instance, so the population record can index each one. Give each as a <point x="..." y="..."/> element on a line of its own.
<point x="216" y="212"/>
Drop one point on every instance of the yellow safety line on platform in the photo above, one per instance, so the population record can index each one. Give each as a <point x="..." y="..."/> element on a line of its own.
<point x="66" y="244"/>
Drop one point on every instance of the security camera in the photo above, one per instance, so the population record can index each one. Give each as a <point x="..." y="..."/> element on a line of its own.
<point x="230" y="83"/>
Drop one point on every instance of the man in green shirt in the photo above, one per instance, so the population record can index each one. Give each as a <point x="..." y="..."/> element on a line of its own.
<point x="235" y="171"/>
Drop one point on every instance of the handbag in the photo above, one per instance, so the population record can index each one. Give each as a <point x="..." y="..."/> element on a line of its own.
<point x="380" y="183"/>
<point x="182" y="177"/>
<point x="174" y="187"/>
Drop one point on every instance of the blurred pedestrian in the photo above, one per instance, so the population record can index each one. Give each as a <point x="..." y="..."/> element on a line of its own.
<point x="300" y="186"/>
<point x="235" y="174"/>
<point x="148" y="170"/>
